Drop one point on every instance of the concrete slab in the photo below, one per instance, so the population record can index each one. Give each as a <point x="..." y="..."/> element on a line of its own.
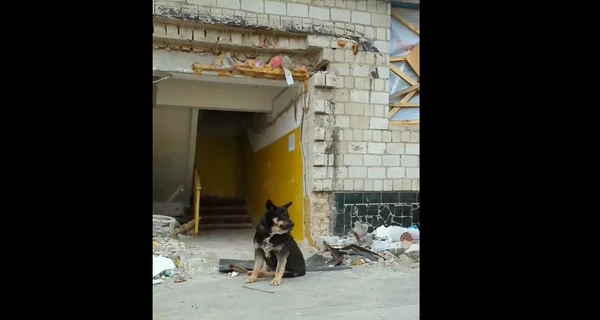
<point x="364" y="292"/>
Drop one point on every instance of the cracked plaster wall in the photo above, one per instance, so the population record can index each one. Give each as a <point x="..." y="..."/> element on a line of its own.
<point x="348" y="143"/>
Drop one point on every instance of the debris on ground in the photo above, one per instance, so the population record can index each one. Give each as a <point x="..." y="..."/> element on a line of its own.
<point x="167" y="260"/>
<point x="392" y="247"/>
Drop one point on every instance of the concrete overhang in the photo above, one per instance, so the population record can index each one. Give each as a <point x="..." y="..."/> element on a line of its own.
<point x="184" y="88"/>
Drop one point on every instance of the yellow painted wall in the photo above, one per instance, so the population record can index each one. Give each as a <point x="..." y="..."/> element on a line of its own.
<point x="277" y="174"/>
<point x="218" y="161"/>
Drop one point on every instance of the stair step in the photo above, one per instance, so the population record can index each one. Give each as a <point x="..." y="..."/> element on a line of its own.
<point x="219" y="211"/>
<point x="222" y="201"/>
<point x="226" y="217"/>
<point x="225" y="226"/>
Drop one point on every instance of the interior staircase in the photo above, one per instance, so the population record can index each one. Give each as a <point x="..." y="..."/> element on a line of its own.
<point x="224" y="213"/>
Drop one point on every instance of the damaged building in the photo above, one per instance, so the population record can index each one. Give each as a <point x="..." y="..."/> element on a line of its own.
<point x="314" y="102"/>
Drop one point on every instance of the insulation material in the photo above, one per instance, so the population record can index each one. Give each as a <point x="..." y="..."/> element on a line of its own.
<point x="403" y="40"/>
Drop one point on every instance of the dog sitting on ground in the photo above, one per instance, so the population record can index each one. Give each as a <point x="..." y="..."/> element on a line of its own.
<point x="274" y="248"/>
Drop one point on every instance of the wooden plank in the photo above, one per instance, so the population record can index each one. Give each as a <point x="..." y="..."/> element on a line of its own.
<point x="407" y="90"/>
<point x="404" y="21"/>
<point x="397" y="59"/>
<point x="404" y="100"/>
<point x="413" y="59"/>
<point x="405" y="104"/>
<point x="404" y="122"/>
<point x="402" y="75"/>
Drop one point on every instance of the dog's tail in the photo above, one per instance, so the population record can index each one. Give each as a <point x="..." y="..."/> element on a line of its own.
<point x="289" y="274"/>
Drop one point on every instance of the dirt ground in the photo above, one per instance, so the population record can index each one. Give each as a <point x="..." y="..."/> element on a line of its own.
<point x="363" y="292"/>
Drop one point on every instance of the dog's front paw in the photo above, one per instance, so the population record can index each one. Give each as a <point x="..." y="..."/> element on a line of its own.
<point x="275" y="282"/>
<point x="250" y="280"/>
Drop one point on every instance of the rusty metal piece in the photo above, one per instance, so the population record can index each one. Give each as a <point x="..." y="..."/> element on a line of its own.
<point x="359" y="248"/>
<point x="239" y="269"/>
<point x="334" y="253"/>
<point x="358" y="238"/>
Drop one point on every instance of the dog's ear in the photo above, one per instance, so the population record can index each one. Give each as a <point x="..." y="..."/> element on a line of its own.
<point x="287" y="205"/>
<point x="270" y="206"/>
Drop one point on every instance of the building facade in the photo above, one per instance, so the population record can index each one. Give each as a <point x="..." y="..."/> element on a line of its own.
<point x="357" y="163"/>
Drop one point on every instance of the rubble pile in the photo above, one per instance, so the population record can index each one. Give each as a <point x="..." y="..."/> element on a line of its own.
<point x="393" y="247"/>
<point x="172" y="249"/>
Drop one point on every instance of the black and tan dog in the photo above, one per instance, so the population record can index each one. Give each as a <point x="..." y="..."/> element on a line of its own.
<point x="274" y="248"/>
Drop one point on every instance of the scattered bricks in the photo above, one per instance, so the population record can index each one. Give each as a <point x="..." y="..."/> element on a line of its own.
<point x="253" y="5"/>
<point x="371" y="160"/>
<point x="340" y="15"/>
<point x="409" y="161"/>
<point x="395" y="148"/>
<point x="275" y="7"/>
<point x="412" y="173"/>
<point x="378" y="123"/>
<point x="376" y="148"/>
<point x="298" y="10"/>
<point x="412" y="148"/>
<point x="357" y="172"/>
<point x="376" y="173"/>
<point x="395" y="172"/>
